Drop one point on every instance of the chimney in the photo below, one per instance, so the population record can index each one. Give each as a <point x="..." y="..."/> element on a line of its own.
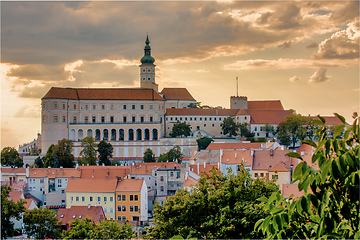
<point x="77" y="165"/>
<point x="235" y="155"/>
<point x="103" y="165"/>
<point x="219" y="165"/>
<point x="89" y="206"/>
<point x="282" y="147"/>
<point x="198" y="170"/>
<point x="252" y="152"/>
<point x="204" y="165"/>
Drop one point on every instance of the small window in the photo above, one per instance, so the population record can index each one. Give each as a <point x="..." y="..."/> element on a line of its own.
<point x="131" y="208"/>
<point x="86" y="107"/>
<point x="55" y="105"/>
<point x="111" y="199"/>
<point x="112" y="119"/>
<point x="94" y="107"/>
<point x="63" y="106"/>
<point x="77" y="199"/>
<point x="91" y="199"/>
<point x="171" y="174"/>
<point x="102" y="107"/>
<point x="105" y="199"/>
<point x="136" y="197"/>
<point x="63" y="119"/>
<point x="256" y="174"/>
<point x="161" y="178"/>
<point x="99" y="199"/>
<point x="71" y="199"/>
<point x="74" y="216"/>
<point x="123" y="209"/>
<point x="112" y="106"/>
<point x="74" y="119"/>
<point x="162" y="188"/>
<point x="63" y="191"/>
<point x="151" y="106"/>
<point x="74" y="106"/>
<point x="102" y="119"/>
<point x="142" y="119"/>
<point x="62" y="215"/>
<point x="124" y="106"/>
<point x="124" y="119"/>
<point x="141" y="106"/>
<point x="55" y="118"/>
<point x="133" y="119"/>
<point x="131" y="197"/>
<point x="151" y="119"/>
<point x="132" y="106"/>
<point x="80" y="216"/>
<point x="93" y="119"/>
<point x="136" y="208"/>
<point x="123" y="197"/>
<point x="83" y="199"/>
<point x="86" y="119"/>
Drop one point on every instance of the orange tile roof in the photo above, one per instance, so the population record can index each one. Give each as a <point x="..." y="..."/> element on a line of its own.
<point x="265" y="105"/>
<point x="329" y="120"/>
<point x="218" y="146"/>
<point x="91" y="185"/>
<point x="102" y="94"/>
<point x="94" y="213"/>
<point x="99" y="172"/>
<point x="27" y="203"/>
<point x="200" y="112"/>
<point x="146" y="168"/>
<point x="13" y="170"/>
<point x="207" y="169"/>
<point x="54" y="172"/>
<point x="306" y="152"/>
<point x="15" y="195"/>
<point x="129" y="185"/>
<point x="280" y="167"/>
<point x="177" y="94"/>
<point x="237" y="157"/>
<point x="268" y="116"/>
<point x="288" y="189"/>
<point x="266" y="159"/>
<point x="190" y="181"/>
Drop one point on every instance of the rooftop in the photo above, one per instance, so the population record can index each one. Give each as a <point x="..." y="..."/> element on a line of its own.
<point x="177" y="94"/>
<point x="265" y="105"/>
<point x="129" y="185"/>
<point x="65" y="215"/>
<point x="200" y="112"/>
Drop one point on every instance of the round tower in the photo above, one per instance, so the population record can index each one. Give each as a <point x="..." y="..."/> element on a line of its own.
<point x="147" y="68"/>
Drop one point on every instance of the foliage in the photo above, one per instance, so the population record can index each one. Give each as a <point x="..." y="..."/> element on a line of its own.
<point x="59" y="155"/>
<point x="10" y="157"/>
<point x="42" y="223"/>
<point x="149" y="156"/>
<point x="9" y="210"/>
<point x="172" y="155"/>
<point x="112" y="230"/>
<point x="105" y="152"/>
<point x="269" y="129"/>
<point x="220" y="207"/>
<point x="88" y="153"/>
<point x="49" y="158"/>
<point x="244" y="129"/>
<point x="293" y="129"/>
<point x="229" y="127"/>
<point x="79" y="229"/>
<point x="180" y="129"/>
<point x="198" y="105"/>
<point x="330" y="206"/>
<point x="38" y="163"/>
<point x="204" y="142"/>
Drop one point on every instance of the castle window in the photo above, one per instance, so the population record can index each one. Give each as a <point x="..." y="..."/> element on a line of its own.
<point x="64" y="118"/>
<point x="205" y="119"/>
<point x="194" y="118"/>
<point x="93" y="119"/>
<point x="86" y="119"/>
<point x="55" y="118"/>
<point x="191" y="119"/>
<point x="200" y="119"/>
<point x="55" y="105"/>
<point x="94" y="107"/>
<point x="63" y="105"/>
<point x="214" y="119"/>
<point x="133" y="119"/>
<point x="102" y="119"/>
<point x="151" y="106"/>
<point x="180" y="118"/>
<point x="74" y="106"/>
<point x="103" y="107"/>
<point x="74" y="119"/>
<point x="86" y="107"/>
<point x="149" y="79"/>
<point x="141" y="106"/>
<point x="124" y="106"/>
<point x="186" y="119"/>
<point x="149" y="70"/>
<point x="142" y="119"/>
<point x="132" y="106"/>
<point x="111" y="119"/>
<point x="151" y="119"/>
<point x="209" y="119"/>
<point x="143" y="70"/>
<point x="124" y="119"/>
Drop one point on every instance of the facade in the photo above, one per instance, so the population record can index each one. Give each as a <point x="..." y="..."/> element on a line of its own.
<point x="9" y="174"/>
<point x="131" y="200"/>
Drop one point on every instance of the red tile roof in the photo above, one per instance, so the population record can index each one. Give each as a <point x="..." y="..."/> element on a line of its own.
<point x="100" y="172"/>
<point x="54" y="172"/>
<point x="289" y="189"/>
<point x="91" y="185"/>
<point x="102" y="94"/>
<point x="129" y="185"/>
<point x="94" y="213"/>
<point x="268" y="116"/>
<point x="177" y="94"/>
<point x="207" y="168"/>
<point x="329" y="120"/>
<point x="13" y="170"/>
<point x="265" y="105"/>
<point x="146" y="168"/>
<point x="237" y="157"/>
<point x="218" y="146"/>
<point x="190" y="181"/>
<point x="266" y="159"/>
<point x="200" y="112"/>
<point x="280" y="167"/>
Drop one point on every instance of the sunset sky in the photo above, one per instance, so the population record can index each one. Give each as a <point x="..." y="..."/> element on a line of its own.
<point x="304" y="53"/>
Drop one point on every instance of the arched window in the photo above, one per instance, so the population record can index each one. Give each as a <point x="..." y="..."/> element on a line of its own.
<point x="147" y="134"/>
<point x="121" y="135"/>
<point x="80" y="134"/>
<point x="155" y="134"/>
<point x="72" y="134"/>
<point x="106" y="135"/>
<point x="138" y="134"/>
<point x="131" y="135"/>
<point x="113" y="134"/>
<point x="89" y="133"/>
<point x="97" y="134"/>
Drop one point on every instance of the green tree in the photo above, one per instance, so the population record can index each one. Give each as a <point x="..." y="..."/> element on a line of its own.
<point x="330" y="206"/>
<point x="203" y="142"/>
<point x="149" y="156"/>
<point x="293" y="129"/>
<point x="244" y="129"/>
<point x="42" y="223"/>
<point x="38" y="163"/>
<point x="49" y="158"/>
<point x="112" y="230"/>
<point x="172" y="155"/>
<point x="229" y="127"/>
<point x="88" y="153"/>
<point x="105" y="152"/>
<point x="63" y="154"/>
<point x="180" y="129"/>
<point x="79" y="229"/>
<point x="9" y="210"/>
<point x="268" y="128"/>
<point x="220" y="207"/>
<point x="10" y="157"/>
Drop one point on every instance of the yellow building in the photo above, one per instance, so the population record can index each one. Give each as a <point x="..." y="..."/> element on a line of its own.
<point x="131" y="200"/>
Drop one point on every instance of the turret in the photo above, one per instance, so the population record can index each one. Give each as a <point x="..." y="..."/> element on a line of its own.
<point x="147" y="68"/>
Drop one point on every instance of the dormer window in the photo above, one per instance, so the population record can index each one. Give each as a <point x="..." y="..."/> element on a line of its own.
<point x="80" y="216"/>
<point x="74" y="216"/>
<point x="62" y="215"/>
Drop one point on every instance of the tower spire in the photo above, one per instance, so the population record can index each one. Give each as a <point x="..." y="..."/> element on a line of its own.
<point x="147" y="68"/>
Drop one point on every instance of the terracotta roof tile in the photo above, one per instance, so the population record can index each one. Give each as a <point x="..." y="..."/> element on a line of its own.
<point x="129" y="185"/>
<point x="329" y="120"/>
<point x="146" y="168"/>
<point x="94" y="213"/>
<point x="54" y="172"/>
<point x="266" y="159"/>
<point x="265" y="105"/>
<point x="288" y="189"/>
<point x="200" y="112"/>
<point x="100" y="172"/>
<point x="237" y="157"/>
<point x="103" y="94"/>
<point x="190" y="181"/>
<point x="268" y="116"/>
<point x="280" y="167"/>
<point x="91" y="185"/>
<point x="13" y="170"/>
<point x="207" y="168"/>
<point x="177" y="94"/>
<point x="218" y="146"/>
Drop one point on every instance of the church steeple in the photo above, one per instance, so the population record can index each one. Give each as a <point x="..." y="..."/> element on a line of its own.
<point x="147" y="68"/>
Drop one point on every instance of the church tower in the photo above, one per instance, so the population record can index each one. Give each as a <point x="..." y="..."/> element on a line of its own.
<point x="147" y="68"/>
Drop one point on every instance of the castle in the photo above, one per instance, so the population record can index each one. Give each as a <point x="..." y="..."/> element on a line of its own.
<point x="134" y="119"/>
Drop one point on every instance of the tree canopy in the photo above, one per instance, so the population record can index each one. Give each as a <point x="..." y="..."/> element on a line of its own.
<point x="79" y="229"/>
<point x="172" y="155"/>
<point x="204" y="142"/>
<point x="42" y="223"/>
<point x="88" y="153"/>
<point x="229" y="127"/>
<point x="105" y="152"/>
<point x="180" y="129"/>
<point x="59" y="155"/>
<point x="244" y="130"/>
<point x="330" y="206"/>
<point x="149" y="156"/>
<point x="9" y="210"/>
<point x="112" y="230"/>
<point x="220" y="206"/>
<point x="10" y="157"/>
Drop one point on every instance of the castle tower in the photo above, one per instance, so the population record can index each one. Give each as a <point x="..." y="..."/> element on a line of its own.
<point x="238" y="102"/>
<point x="147" y="68"/>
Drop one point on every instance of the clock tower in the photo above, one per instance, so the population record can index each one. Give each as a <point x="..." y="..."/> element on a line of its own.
<point x="147" y="68"/>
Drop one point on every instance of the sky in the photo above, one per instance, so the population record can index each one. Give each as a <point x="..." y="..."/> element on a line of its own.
<point x="304" y="53"/>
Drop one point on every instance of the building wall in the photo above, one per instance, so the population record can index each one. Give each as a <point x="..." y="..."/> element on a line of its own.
<point x="282" y="178"/>
<point x="178" y="103"/>
<point x="123" y="207"/>
<point x="83" y="199"/>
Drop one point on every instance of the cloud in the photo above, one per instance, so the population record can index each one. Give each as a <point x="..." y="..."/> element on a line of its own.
<point x="285" y="45"/>
<point x="312" y="45"/>
<point x="295" y="79"/>
<point x="347" y="12"/>
<point x="319" y="76"/>
<point x="39" y="72"/>
<point x="28" y="112"/>
<point x="343" y="44"/>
